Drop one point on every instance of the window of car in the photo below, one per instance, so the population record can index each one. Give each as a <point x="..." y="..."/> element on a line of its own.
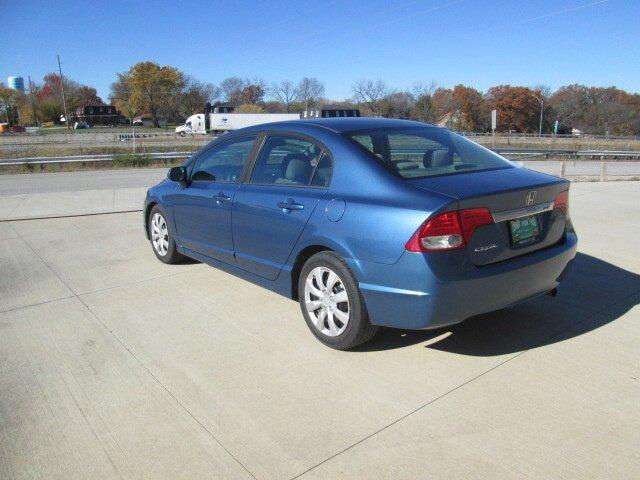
<point x="225" y="162"/>
<point x="291" y="160"/>
<point x="418" y="152"/>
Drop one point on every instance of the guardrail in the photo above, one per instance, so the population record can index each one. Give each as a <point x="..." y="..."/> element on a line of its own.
<point x="569" y="153"/>
<point x="581" y="167"/>
<point x="88" y="158"/>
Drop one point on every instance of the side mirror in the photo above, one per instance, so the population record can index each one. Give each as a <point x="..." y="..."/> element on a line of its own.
<point x="177" y="174"/>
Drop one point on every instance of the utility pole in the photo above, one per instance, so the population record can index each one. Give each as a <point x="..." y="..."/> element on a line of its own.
<point x="541" y="113"/>
<point x="64" y="101"/>
<point x="541" y="100"/>
<point x="33" y="104"/>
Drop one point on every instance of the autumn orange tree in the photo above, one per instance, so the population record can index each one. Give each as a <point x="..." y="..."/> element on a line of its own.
<point x="518" y="108"/>
<point x="469" y="105"/>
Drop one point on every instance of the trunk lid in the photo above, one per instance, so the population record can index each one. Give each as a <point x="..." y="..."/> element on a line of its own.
<point x="511" y="195"/>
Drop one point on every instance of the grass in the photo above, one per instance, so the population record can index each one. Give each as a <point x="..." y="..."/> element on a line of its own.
<point x="75" y="167"/>
<point x="128" y="160"/>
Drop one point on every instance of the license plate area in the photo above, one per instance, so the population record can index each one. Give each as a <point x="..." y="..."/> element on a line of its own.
<point x="524" y="230"/>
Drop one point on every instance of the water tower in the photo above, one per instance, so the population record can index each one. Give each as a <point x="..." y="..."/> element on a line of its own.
<point x="16" y="83"/>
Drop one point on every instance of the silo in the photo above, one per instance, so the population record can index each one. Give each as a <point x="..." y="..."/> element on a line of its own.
<point x="16" y="83"/>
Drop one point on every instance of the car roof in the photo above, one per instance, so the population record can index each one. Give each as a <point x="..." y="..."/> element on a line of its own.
<point x="341" y="124"/>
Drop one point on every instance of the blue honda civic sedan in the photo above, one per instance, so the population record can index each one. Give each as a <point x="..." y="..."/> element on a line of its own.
<point x="366" y="222"/>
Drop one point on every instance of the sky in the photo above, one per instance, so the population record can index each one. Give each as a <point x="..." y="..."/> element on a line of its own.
<point x="403" y="42"/>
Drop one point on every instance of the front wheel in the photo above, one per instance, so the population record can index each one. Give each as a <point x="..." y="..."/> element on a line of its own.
<point x="162" y="241"/>
<point x="332" y="304"/>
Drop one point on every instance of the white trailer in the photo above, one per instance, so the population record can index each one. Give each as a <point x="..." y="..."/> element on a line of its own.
<point x="224" y="122"/>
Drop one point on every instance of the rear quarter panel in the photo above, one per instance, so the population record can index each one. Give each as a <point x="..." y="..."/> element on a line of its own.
<point x="368" y="214"/>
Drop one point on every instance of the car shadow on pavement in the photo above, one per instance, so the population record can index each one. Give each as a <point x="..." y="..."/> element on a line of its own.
<point x="593" y="293"/>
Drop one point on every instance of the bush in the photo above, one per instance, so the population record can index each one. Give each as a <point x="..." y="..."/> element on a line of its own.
<point x="132" y="160"/>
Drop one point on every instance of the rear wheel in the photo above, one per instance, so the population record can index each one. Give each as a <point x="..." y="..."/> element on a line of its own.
<point x="332" y="304"/>
<point x="162" y="241"/>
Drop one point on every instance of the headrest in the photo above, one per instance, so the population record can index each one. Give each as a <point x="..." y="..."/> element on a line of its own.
<point x="287" y="159"/>
<point x="437" y="158"/>
<point x="442" y="158"/>
<point x="426" y="158"/>
<point x="298" y="170"/>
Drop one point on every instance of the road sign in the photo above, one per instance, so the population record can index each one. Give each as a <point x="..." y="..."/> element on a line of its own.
<point x="494" y="119"/>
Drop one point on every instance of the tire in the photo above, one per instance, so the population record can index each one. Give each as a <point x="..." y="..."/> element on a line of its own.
<point x="337" y="315"/>
<point x="161" y="238"/>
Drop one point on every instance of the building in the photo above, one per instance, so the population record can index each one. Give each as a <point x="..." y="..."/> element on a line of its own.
<point x="146" y="120"/>
<point x="449" y="120"/>
<point x="220" y="107"/>
<point x="330" y="111"/>
<point x="98" y="115"/>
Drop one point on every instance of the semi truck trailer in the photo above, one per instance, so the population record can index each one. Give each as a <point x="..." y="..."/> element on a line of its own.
<point x="202" y="123"/>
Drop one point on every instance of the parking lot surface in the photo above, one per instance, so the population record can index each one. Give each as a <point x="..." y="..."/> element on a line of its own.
<point x="114" y="365"/>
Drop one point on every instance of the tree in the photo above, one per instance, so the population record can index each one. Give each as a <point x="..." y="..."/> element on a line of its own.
<point x="518" y="108"/>
<point x="121" y="97"/>
<point x="285" y="92"/>
<point x="597" y="109"/>
<point x="230" y="88"/>
<point x="47" y="100"/>
<point x="369" y="92"/>
<point x="397" y="105"/>
<point x="8" y="103"/>
<point x="196" y="95"/>
<point x="441" y="103"/>
<point x="82" y="96"/>
<point x="467" y="105"/>
<point x="149" y="87"/>
<point x="249" y="108"/>
<point x="310" y="91"/>
<point x="253" y="92"/>
<point x="422" y="109"/>
<point x="422" y="93"/>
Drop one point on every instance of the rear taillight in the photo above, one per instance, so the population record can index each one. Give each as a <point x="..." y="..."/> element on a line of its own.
<point x="473" y="218"/>
<point x="448" y="230"/>
<point x="562" y="203"/>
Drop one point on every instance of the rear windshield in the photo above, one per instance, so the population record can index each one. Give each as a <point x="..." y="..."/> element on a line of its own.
<point x="419" y="152"/>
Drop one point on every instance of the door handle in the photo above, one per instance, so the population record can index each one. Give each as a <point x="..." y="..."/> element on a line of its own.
<point x="290" y="205"/>
<point x="221" y="198"/>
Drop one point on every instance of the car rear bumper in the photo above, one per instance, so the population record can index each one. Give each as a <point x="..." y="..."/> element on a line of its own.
<point x="418" y="293"/>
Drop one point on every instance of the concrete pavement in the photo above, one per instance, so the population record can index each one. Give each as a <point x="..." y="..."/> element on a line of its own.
<point x="115" y="365"/>
<point x="75" y="193"/>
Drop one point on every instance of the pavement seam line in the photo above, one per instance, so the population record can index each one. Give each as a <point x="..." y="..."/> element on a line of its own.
<point x="37" y="304"/>
<point x="166" y="389"/>
<point x="100" y="290"/>
<point x="145" y="368"/>
<point x="73" y="397"/>
<point x="77" y="215"/>
<point x="495" y="367"/>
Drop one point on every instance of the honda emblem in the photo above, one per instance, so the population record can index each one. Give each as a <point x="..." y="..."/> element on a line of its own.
<point x="531" y="197"/>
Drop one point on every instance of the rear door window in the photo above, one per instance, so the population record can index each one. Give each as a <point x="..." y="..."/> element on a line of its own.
<point x="290" y="160"/>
